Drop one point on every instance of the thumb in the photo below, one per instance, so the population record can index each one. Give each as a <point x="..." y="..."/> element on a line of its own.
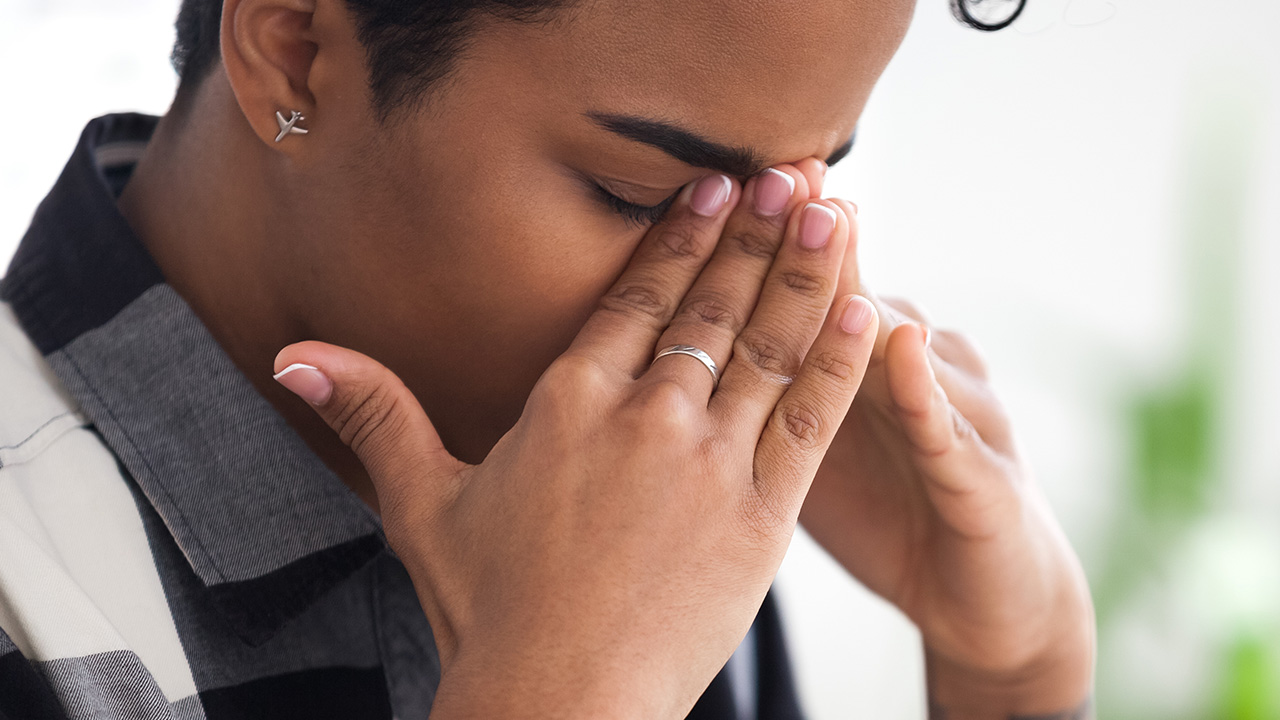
<point x="373" y="413"/>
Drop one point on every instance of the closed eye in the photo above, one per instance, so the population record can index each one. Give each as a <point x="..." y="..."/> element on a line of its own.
<point x="639" y="216"/>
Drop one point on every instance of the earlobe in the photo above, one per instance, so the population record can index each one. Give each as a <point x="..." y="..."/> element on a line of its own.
<point x="290" y="126"/>
<point x="267" y="50"/>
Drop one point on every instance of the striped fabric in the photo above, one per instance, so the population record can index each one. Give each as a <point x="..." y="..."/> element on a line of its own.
<point x="169" y="547"/>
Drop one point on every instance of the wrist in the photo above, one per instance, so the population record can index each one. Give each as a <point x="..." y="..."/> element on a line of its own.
<point x="505" y="689"/>
<point x="1056" y="684"/>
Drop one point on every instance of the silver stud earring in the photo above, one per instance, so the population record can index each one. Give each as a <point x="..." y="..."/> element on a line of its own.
<point x="290" y="126"/>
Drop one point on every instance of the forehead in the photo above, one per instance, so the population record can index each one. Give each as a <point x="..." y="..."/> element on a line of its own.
<point x="789" y="78"/>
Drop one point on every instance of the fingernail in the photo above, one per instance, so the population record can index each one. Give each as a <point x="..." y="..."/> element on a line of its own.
<point x="306" y="382"/>
<point x="773" y="191"/>
<point x="926" y="334"/>
<point x="857" y="315"/>
<point x="816" y="225"/>
<point x="855" y="207"/>
<point x="710" y="194"/>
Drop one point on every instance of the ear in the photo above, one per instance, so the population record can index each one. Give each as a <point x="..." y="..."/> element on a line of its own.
<point x="268" y="48"/>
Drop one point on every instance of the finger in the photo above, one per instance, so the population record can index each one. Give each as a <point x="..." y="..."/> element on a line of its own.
<point x="622" y="331"/>
<point x="815" y="172"/>
<point x="947" y="449"/>
<point x="804" y="421"/>
<point x="716" y="308"/>
<point x="373" y="413"/>
<point x="875" y="387"/>
<point x="943" y="344"/>
<point x="960" y="351"/>
<point x="954" y="350"/>
<point x="850" y="276"/>
<point x="794" y="302"/>
<point x="968" y="391"/>
<point x="908" y="308"/>
<point x="852" y="281"/>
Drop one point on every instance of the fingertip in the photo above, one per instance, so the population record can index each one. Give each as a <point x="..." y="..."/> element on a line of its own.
<point x="842" y="232"/>
<point x="309" y="352"/>
<point x="281" y="360"/>
<point x="772" y="190"/>
<point x="307" y="382"/>
<point x="291" y="354"/>
<point x="814" y="171"/>
<point x="858" y="315"/>
<point x="850" y="211"/>
<point x="710" y="195"/>
<point x="907" y="370"/>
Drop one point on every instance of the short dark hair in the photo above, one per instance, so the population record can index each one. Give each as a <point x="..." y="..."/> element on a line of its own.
<point x="408" y="45"/>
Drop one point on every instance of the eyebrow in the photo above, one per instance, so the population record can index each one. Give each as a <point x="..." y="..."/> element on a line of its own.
<point x="693" y="149"/>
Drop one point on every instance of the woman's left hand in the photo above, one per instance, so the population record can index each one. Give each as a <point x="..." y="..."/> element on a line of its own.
<point x="925" y="498"/>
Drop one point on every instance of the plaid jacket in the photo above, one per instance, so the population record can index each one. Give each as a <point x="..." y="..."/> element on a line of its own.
<point x="169" y="547"/>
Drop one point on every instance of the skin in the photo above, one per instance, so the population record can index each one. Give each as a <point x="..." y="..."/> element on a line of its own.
<point x="458" y="245"/>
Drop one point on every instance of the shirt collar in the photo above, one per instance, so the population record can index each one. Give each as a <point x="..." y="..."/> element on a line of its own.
<point x="265" y="525"/>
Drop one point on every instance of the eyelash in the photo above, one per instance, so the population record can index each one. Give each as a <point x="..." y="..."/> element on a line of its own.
<point x="639" y="216"/>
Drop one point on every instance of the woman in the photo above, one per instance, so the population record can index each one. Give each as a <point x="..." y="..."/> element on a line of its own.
<point x="579" y="340"/>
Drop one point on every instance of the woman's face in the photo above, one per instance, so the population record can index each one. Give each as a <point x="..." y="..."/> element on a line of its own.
<point x="464" y="242"/>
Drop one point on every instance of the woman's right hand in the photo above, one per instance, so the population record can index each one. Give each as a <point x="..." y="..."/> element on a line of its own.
<point x="613" y="548"/>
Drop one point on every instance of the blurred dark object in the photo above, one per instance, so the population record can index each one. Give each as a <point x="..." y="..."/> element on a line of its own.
<point x="988" y="15"/>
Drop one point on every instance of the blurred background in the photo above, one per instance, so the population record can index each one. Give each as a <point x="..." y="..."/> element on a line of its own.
<point x="1092" y="195"/>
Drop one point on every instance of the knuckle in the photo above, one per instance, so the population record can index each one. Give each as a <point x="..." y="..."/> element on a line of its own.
<point x="663" y="407"/>
<point x="802" y="426"/>
<point x="756" y="242"/>
<point x="805" y="283"/>
<point x="835" y="366"/>
<point x="711" y="309"/>
<point x="362" y="420"/>
<point x="766" y="352"/>
<point x="635" y="299"/>
<point x="679" y="241"/>
<point x="940" y="444"/>
<point x="572" y="374"/>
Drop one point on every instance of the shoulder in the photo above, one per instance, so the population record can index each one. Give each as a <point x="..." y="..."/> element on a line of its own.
<point x="79" y="591"/>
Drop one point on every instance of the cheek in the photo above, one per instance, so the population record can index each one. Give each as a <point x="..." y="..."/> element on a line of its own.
<point x="491" y="252"/>
<point x="544" y="268"/>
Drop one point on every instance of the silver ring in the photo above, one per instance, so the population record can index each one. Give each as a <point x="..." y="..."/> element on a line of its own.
<point x="693" y="352"/>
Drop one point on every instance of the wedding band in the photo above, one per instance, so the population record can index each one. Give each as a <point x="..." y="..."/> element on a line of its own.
<point x="693" y="352"/>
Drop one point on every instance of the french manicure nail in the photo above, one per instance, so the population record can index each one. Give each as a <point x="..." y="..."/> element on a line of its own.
<point x="307" y="382"/>
<point x="856" y="316"/>
<point x="773" y="191"/>
<point x="816" y="225"/>
<point x="927" y="333"/>
<point x="710" y="195"/>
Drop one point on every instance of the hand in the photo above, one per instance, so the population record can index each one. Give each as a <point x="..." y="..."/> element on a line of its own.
<point x="613" y="548"/>
<point x="925" y="498"/>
